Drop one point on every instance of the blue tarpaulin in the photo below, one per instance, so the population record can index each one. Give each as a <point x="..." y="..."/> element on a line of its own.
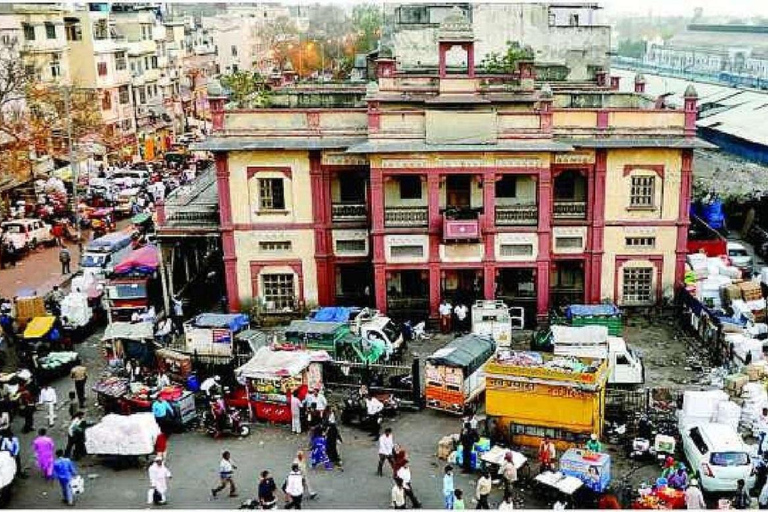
<point x="591" y="310"/>
<point x="235" y="322"/>
<point x="332" y="315"/>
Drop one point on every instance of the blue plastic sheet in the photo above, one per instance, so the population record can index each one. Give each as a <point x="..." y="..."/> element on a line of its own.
<point x="234" y="322"/>
<point x="332" y="314"/>
<point x="591" y="310"/>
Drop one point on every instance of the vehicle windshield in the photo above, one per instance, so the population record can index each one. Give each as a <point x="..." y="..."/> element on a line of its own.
<point x="93" y="260"/>
<point x="13" y="228"/>
<point x="391" y="331"/>
<point x="737" y="252"/>
<point x="729" y="459"/>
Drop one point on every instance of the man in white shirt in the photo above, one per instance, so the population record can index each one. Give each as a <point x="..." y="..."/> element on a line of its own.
<point x="159" y="475"/>
<point x="294" y="487"/>
<point x="373" y="407"/>
<point x="210" y="384"/>
<point x="48" y="400"/>
<point x="295" y="414"/>
<point x="445" y="317"/>
<point x="321" y="402"/>
<point x="694" y="499"/>
<point x="163" y="381"/>
<point x="386" y="450"/>
<point x="461" y="317"/>
<point x="404" y="473"/>
<point x="226" y="473"/>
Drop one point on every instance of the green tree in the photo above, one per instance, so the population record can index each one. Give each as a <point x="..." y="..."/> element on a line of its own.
<point x="633" y="49"/>
<point x="506" y="62"/>
<point x="366" y="23"/>
<point x="246" y="88"/>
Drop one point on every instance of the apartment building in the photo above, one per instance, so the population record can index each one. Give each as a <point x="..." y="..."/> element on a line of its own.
<point x="99" y="60"/>
<point x="454" y="183"/>
<point x="43" y="45"/>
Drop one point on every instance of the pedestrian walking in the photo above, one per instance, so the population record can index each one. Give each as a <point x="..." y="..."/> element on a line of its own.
<point x="484" y="486"/>
<point x="547" y="454"/>
<point x="332" y="439"/>
<point x="398" y="494"/>
<point x="27" y="408"/>
<point x="178" y="314"/>
<point x="79" y="374"/>
<point x="508" y="473"/>
<point x="301" y="460"/>
<point x="64" y="470"/>
<point x="10" y="443"/>
<point x="267" y="489"/>
<point x="65" y="258"/>
<point x="293" y="487"/>
<point x="48" y="401"/>
<point x="159" y="476"/>
<point x="742" y="500"/>
<point x="227" y="469"/>
<point x="72" y="405"/>
<point x="445" y="316"/>
<point x="467" y="439"/>
<point x="461" y="312"/>
<point x="44" y="449"/>
<point x="295" y="414"/>
<point x="76" y="437"/>
<point x="448" y="487"/>
<point x="404" y="474"/>
<point x="163" y="413"/>
<point x="386" y="450"/>
<point x="161" y="445"/>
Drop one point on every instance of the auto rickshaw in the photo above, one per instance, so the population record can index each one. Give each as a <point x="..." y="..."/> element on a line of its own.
<point x="43" y="332"/>
<point x="102" y="221"/>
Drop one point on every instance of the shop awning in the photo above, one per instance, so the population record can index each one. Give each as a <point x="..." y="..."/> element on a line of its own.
<point x="272" y="365"/>
<point x="423" y="147"/>
<point x="140" y="331"/>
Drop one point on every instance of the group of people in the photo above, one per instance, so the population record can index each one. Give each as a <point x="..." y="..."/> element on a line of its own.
<point x="453" y="318"/>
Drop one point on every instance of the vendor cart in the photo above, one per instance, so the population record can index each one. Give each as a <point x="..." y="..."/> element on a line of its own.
<point x="494" y="458"/>
<point x="558" y="487"/>
<point x="592" y="468"/>
<point x="177" y="365"/>
<point x="42" y="334"/>
<point x="125" y="440"/>
<point x="109" y="391"/>
<point x="665" y="498"/>
<point x="123" y="341"/>
<point x="26" y="308"/>
<point x="272" y="375"/>
<point x="55" y="365"/>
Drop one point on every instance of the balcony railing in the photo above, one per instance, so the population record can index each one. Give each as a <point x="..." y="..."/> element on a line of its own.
<point x="517" y="215"/>
<point x="349" y="212"/>
<point x="570" y="210"/>
<point x="405" y="216"/>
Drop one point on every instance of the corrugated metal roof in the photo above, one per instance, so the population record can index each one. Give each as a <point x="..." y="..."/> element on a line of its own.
<point x="423" y="147"/>
<point x="658" y="142"/>
<point x="250" y="143"/>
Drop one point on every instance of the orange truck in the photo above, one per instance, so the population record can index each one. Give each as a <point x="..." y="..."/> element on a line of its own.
<point x="454" y="374"/>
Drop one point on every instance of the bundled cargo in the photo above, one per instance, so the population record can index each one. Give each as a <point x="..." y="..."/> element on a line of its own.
<point x="700" y="406"/>
<point x="728" y="413"/>
<point x="750" y="290"/>
<point x="123" y="435"/>
<point x="755" y="399"/>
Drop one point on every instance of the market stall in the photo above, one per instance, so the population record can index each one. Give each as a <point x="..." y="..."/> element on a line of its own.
<point x="176" y="365"/>
<point x="271" y="375"/>
<point x="558" y="487"/>
<point x="592" y="468"/>
<point x="495" y="458"/>
<point x="664" y="498"/>
<point x="127" y="341"/>
<point x="109" y="391"/>
<point x="55" y="364"/>
<point x="41" y="332"/>
<point x="130" y="436"/>
<point x="139" y="398"/>
<point x="213" y="334"/>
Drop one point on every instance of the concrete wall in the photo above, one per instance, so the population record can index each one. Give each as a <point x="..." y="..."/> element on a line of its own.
<point x="576" y="47"/>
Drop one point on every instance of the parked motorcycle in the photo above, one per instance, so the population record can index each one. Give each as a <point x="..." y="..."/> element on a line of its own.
<point x="355" y="410"/>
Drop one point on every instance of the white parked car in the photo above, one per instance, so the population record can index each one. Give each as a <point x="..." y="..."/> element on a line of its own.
<point x="130" y="178"/>
<point x="719" y="455"/>
<point x="27" y="233"/>
<point x="740" y="258"/>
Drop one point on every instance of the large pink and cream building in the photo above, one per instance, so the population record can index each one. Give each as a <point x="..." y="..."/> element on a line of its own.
<point x="455" y="184"/>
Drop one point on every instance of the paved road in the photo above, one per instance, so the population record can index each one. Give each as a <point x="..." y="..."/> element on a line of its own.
<point x="38" y="271"/>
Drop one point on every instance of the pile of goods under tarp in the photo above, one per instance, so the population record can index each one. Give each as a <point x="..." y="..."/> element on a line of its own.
<point x="114" y="387"/>
<point x="123" y="435"/>
<point x="56" y="361"/>
<point x="535" y="359"/>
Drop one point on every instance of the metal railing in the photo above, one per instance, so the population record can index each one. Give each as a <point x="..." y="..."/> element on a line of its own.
<point x="517" y="215"/>
<point x="349" y="211"/>
<point x="406" y="216"/>
<point x="569" y="210"/>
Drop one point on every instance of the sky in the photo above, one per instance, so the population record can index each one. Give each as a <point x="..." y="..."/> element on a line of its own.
<point x="746" y="8"/>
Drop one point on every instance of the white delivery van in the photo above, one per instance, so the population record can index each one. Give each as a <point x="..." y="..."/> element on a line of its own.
<point x="27" y="233"/>
<point x="370" y="323"/>
<point x="625" y="365"/>
<point x="495" y="319"/>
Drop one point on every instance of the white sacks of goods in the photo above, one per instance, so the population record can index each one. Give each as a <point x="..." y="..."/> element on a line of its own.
<point x="700" y="406"/>
<point x="728" y="413"/>
<point x="755" y="398"/>
<point x="123" y="435"/>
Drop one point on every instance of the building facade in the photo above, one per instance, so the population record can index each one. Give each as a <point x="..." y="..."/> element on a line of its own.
<point x="569" y="39"/>
<point x="455" y="185"/>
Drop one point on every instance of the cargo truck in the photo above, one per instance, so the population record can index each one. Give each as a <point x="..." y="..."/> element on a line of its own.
<point x="532" y="394"/>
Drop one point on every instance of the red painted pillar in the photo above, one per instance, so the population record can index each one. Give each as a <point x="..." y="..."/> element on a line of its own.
<point x="489" y="234"/>
<point x="442" y="48"/>
<point x="227" y="232"/>
<point x="683" y="215"/>
<point x="545" y="243"/>
<point x="321" y="216"/>
<point x="435" y="228"/>
<point x="471" y="60"/>
<point x="160" y="212"/>
<point x="377" y="236"/>
<point x="598" y="224"/>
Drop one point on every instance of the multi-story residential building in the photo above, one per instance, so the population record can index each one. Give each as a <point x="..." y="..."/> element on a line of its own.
<point x="99" y="57"/>
<point x="454" y="183"/>
<point x="567" y="39"/>
<point x="43" y="45"/>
